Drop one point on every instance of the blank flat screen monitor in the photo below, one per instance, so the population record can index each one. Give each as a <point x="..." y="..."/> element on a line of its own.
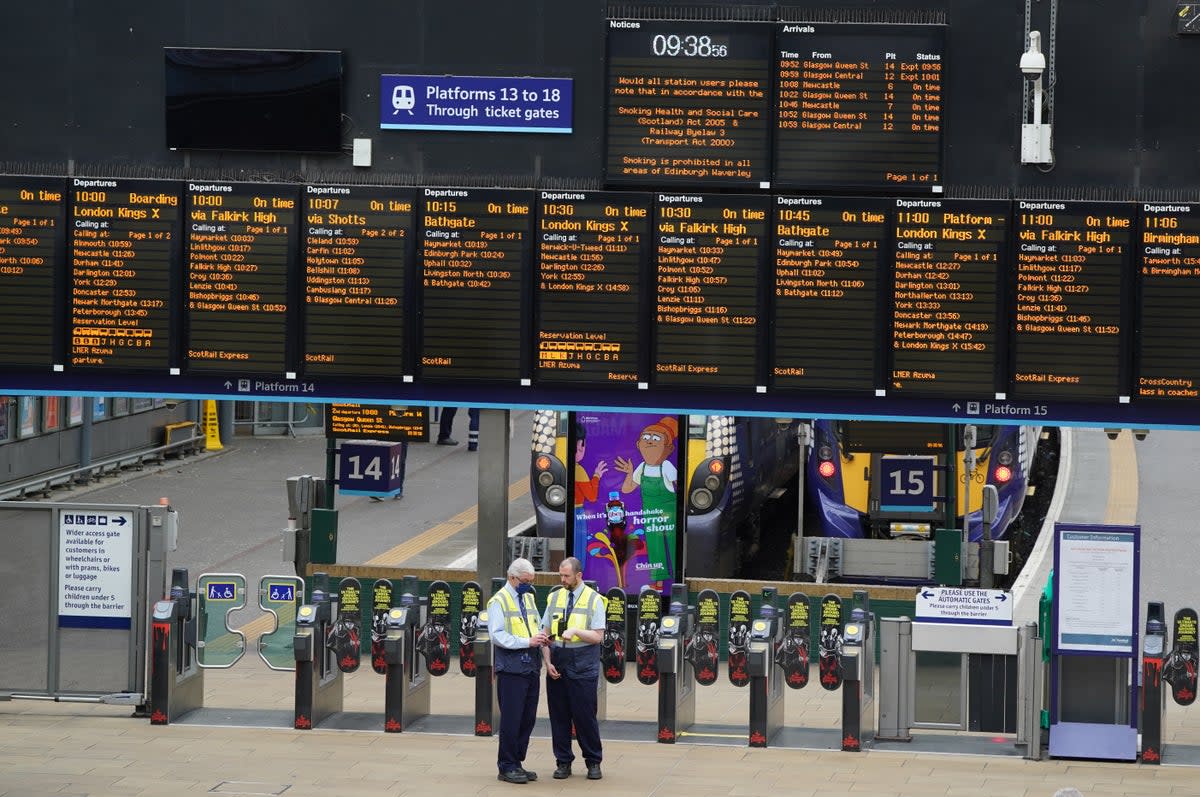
<point x="273" y="100"/>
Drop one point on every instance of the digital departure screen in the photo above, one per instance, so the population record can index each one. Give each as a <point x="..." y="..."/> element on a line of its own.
<point x="357" y="248"/>
<point x="124" y="242"/>
<point x="475" y="256"/>
<point x="946" y="299"/>
<point x="377" y="422"/>
<point x="32" y="216"/>
<point x="858" y="105"/>
<point x="1168" y="267"/>
<point x="591" y="251"/>
<point x="828" y="263"/>
<point x="1072" y="260"/>
<point x="709" y="252"/>
<point x="238" y="251"/>
<point x="688" y="103"/>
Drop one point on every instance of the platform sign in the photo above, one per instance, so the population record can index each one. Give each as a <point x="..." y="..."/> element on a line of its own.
<point x="906" y="484"/>
<point x="963" y="605"/>
<point x="95" y="569"/>
<point x="476" y="103"/>
<point x="369" y="468"/>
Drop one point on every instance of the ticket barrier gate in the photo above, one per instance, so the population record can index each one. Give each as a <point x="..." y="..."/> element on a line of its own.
<point x="1154" y="644"/>
<point x="676" y="682"/>
<point x="176" y="679"/>
<point x="487" y="707"/>
<point x="766" y="677"/>
<point x="406" y="684"/>
<point x="858" y="684"/>
<point x="318" y="680"/>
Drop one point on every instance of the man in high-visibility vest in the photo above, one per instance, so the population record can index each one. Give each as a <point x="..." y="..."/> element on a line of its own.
<point x="518" y="647"/>
<point x="574" y="620"/>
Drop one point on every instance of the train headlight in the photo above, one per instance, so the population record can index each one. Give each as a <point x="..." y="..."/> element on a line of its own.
<point x="712" y="482"/>
<point x="556" y="495"/>
<point x="716" y="466"/>
<point x="543" y="462"/>
<point x="827" y="469"/>
<point x="825" y="453"/>
<point x="702" y="499"/>
<point x="1002" y="474"/>
<point x="545" y="478"/>
<point x="1004" y="457"/>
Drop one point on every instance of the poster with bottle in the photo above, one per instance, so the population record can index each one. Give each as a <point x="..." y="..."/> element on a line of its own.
<point x="626" y="504"/>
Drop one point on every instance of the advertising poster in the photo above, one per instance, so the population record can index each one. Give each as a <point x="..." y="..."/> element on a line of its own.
<point x="28" y="406"/>
<point x="75" y="410"/>
<point x="626" y="498"/>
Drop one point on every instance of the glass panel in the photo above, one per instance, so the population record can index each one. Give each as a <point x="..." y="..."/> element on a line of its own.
<point x="218" y="595"/>
<point x="938" y="696"/>
<point x="281" y="596"/>
<point x="25" y="595"/>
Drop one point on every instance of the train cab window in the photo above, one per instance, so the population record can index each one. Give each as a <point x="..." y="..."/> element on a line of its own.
<point x="697" y="427"/>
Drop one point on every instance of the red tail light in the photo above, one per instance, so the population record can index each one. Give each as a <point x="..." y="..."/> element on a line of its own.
<point x="827" y="469"/>
<point x="1002" y="474"/>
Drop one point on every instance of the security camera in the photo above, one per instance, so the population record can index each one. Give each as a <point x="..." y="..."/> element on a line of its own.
<point x="1033" y="62"/>
<point x="171" y="403"/>
<point x="1113" y="434"/>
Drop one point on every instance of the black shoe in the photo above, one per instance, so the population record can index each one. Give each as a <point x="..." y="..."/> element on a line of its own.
<point x="375" y="499"/>
<point x="472" y="446"/>
<point x="594" y="772"/>
<point x="562" y="771"/>
<point x="513" y="776"/>
<point x="529" y="776"/>
<point x="448" y="441"/>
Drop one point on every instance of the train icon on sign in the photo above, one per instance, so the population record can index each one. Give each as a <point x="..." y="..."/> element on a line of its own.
<point x="403" y="99"/>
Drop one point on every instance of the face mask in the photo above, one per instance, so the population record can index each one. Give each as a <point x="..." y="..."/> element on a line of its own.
<point x="525" y="589"/>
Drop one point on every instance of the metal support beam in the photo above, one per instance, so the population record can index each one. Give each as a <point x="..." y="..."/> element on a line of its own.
<point x="492" y="529"/>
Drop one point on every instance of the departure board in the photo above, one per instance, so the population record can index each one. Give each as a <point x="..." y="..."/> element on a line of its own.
<point x="591" y="251"/>
<point x="1168" y="269"/>
<point x="475" y="255"/>
<point x="238" y="253"/>
<point x="1072" y="260"/>
<point x="357" y="248"/>
<point x="946" y="300"/>
<point x="124" y="241"/>
<point x="688" y="103"/>
<point x="858" y="105"/>
<point x="828" y="261"/>
<point x="31" y="224"/>
<point x="377" y="422"/>
<point x="709" y="252"/>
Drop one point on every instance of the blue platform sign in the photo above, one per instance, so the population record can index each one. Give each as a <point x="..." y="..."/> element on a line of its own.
<point x="490" y="104"/>
<point x="906" y="484"/>
<point x="370" y="468"/>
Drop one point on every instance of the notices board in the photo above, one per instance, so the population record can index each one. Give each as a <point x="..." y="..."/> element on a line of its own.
<point x="95" y="570"/>
<point x="1168" y="267"/>
<point x="1096" y="588"/>
<point x="31" y="224"/>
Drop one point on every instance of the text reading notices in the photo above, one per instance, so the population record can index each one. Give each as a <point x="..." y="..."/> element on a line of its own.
<point x="945" y="295"/>
<point x="356" y="254"/>
<point x="1169" y="272"/>
<point x="1071" y="261"/>
<point x="31" y="222"/>
<point x="708" y="253"/>
<point x="591" y="247"/>
<point x="688" y="103"/>
<point x="858" y="105"/>
<point x="475" y="252"/>
<point x="124" y="238"/>
<point x="827" y="263"/>
<point x="237" y="267"/>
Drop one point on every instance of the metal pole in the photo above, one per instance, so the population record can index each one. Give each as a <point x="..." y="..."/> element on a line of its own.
<point x="804" y="437"/>
<point x="492" y="528"/>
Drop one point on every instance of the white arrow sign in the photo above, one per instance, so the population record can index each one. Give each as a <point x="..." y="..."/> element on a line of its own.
<point x="964" y="605"/>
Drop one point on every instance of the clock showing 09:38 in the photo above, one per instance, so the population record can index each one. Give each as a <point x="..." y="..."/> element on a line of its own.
<point x="689" y="46"/>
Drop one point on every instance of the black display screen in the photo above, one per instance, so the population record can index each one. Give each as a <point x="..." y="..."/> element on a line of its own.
<point x="275" y="100"/>
<point x="1169" y="276"/>
<point x="31" y="229"/>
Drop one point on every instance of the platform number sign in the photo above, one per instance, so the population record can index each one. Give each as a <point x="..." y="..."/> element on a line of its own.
<point x="370" y="468"/>
<point x="906" y="484"/>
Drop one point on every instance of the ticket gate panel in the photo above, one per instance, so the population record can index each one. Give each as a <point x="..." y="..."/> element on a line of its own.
<point x="219" y="595"/>
<point x="279" y="597"/>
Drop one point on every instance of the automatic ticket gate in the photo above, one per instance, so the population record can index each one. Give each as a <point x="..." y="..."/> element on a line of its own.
<point x="676" y="683"/>
<point x="318" y="679"/>
<point x="858" y="674"/>
<point x="176" y="678"/>
<point x="406" y="685"/>
<point x="487" y="708"/>
<point x="766" y="677"/>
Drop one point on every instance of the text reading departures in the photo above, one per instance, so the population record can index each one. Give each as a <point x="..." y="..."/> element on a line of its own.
<point x="1071" y="263"/>
<point x="708" y="253"/>
<point x="591" y="247"/>
<point x="237" y="259"/>
<point x="31" y="222"/>
<point x="1169" y="271"/>
<point x="858" y="105"/>
<point x="828" y="255"/>
<point x="945" y="297"/>
<point x="475" y="254"/>
<point x="688" y="103"/>
<point x="124" y="241"/>
<point x="356" y="256"/>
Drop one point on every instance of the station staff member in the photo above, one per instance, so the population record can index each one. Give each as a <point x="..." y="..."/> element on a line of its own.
<point x="575" y="620"/>
<point x="518" y="647"/>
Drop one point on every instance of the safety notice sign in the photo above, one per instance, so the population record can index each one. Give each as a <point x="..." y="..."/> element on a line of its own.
<point x="964" y="605"/>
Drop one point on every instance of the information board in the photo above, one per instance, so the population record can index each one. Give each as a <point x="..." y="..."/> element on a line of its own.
<point x="1096" y="589"/>
<point x="377" y="422"/>
<point x="95" y="568"/>
<point x="688" y="103"/>
<point x="357" y="252"/>
<point x="124" y="247"/>
<point x="592" y="250"/>
<point x="31" y="233"/>
<point x="858" y="105"/>
<point x="1072" y="263"/>
<point x="239" y="247"/>
<point x="709" y="252"/>
<point x="475" y="257"/>
<point x="1168" y="266"/>
<point x="946" y="295"/>
<point x="828" y="262"/>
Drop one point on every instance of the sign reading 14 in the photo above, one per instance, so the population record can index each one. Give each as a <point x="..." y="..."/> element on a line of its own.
<point x="374" y="466"/>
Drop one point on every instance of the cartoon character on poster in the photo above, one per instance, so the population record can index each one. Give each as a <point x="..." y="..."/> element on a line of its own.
<point x="655" y="478"/>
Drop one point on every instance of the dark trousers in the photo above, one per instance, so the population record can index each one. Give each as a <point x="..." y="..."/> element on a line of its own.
<point x="518" y="698"/>
<point x="574" y="700"/>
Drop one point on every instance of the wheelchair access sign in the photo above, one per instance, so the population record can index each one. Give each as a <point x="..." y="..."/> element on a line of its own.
<point x="964" y="605"/>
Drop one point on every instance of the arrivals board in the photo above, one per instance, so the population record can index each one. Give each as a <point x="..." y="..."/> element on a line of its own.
<point x="709" y="253"/>
<point x="829" y="260"/>
<point x="1168" y="266"/>
<point x="32" y="218"/>
<point x="858" y="105"/>
<point x="1072" y="261"/>
<point x="688" y="103"/>
<point x="475" y="257"/>
<point x="947" y="318"/>
<point x="357" y="253"/>
<point x="592" y="249"/>
<point x="239" y="250"/>
<point x="124" y="244"/>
